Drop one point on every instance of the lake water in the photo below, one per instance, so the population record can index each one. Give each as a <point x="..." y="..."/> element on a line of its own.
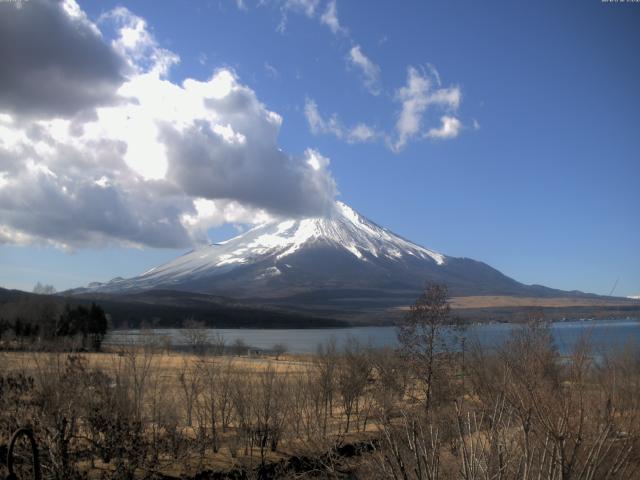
<point x="605" y="335"/>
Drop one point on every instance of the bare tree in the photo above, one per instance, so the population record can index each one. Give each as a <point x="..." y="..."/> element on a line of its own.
<point x="218" y="344"/>
<point x="195" y="336"/>
<point x="353" y="374"/>
<point x="421" y="334"/>
<point x="240" y="347"/>
<point x="213" y="399"/>
<point x="552" y="419"/>
<point x="44" y="289"/>
<point x="112" y="425"/>
<point x="410" y="449"/>
<point x="279" y="349"/>
<point x="325" y="366"/>
<point x="241" y="394"/>
<point x="58" y="413"/>
<point x="189" y="381"/>
<point x="269" y="410"/>
<point x="391" y="379"/>
<point x="224" y="390"/>
<point x="135" y="372"/>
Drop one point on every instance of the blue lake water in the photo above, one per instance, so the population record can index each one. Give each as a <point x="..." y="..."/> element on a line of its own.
<point x="605" y="335"/>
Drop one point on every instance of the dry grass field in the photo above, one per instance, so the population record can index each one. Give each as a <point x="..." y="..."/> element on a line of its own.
<point x="177" y="394"/>
<point x="166" y="364"/>
<point x="508" y="301"/>
<point x="501" y="301"/>
<point x="522" y="412"/>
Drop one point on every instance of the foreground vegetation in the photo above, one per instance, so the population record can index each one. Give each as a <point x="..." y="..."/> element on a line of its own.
<point x="518" y="412"/>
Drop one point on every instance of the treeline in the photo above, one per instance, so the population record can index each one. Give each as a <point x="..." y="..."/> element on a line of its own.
<point x="159" y="309"/>
<point x="169" y="309"/>
<point x="48" y="323"/>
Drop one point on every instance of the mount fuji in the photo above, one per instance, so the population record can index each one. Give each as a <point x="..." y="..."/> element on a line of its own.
<point x="334" y="263"/>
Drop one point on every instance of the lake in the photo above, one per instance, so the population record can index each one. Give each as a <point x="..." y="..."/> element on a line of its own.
<point x="604" y="334"/>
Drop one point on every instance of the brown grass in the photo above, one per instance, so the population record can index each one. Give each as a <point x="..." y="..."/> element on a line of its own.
<point x="526" y="377"/>
<point x="501" y="301"/>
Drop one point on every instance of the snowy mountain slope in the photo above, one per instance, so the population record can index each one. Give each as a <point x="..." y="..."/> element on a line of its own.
<point x="344" y="229"/>
<point x="336" y="259"/>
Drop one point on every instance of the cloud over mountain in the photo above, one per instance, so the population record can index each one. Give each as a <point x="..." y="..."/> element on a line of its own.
<point x="129" y="156"/>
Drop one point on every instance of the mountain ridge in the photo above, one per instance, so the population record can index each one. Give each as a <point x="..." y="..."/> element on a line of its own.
<point x="342" y="260"/>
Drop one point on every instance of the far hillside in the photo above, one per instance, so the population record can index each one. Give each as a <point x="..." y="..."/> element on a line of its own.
<point x="161" y="309"/>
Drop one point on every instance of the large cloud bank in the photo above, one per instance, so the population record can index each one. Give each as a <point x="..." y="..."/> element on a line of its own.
<point x="54" y="60"/>
<point x="98" y="146"/>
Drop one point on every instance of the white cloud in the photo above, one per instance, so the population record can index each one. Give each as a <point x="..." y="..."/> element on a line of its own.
<point x="137" y="44"/>
<point x="449" y="128"/>
<point x="213" y="213"/>
<point x="361" y="133"/>
<point x="305" y="7"/>
<point x="422" y="94"/>
<point x="271" y="70"/>
<point x="416" y="97"/>
<point x="308" y="7"/>
<point x="330" y="18"/>
<point x="157" y="168"/>
<point x="369" y="70"/>
<point x="319" y="124"/>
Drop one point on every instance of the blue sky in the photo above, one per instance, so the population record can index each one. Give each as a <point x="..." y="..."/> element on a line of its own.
<point x="538" y="173"/>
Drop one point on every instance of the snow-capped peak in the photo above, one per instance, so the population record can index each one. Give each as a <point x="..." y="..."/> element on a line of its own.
<point x="343" y="228"/>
